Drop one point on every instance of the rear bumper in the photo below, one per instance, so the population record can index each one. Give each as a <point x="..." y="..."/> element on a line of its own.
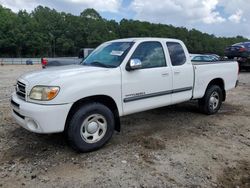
<point x="39" y="118"/>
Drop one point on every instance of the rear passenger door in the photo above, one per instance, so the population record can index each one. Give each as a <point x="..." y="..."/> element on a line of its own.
<point x="183" y="74"/>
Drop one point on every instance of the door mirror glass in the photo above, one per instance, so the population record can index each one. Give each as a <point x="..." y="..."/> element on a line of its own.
<point x="135" y="64"/>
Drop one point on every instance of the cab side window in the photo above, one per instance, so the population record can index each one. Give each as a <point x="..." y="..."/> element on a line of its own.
<point x="177" y="54"/>
<point x="151" y="54"/>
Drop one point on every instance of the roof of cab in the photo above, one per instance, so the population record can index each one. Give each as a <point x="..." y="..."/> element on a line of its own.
<point x="145" y="39"/>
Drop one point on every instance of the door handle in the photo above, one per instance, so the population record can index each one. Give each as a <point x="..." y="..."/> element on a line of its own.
<point x="165" y="74"/>
<point x="177" y="72"/>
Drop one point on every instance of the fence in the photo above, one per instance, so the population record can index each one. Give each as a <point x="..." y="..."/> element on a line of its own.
<point x="22" y="61"/>
<point x="19" y="61"/>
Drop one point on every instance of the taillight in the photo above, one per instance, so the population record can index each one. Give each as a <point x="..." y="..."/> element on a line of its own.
<point x="242" y="49"/>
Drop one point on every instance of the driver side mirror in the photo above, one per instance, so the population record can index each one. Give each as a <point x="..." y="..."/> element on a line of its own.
<point x="134" y="64"/>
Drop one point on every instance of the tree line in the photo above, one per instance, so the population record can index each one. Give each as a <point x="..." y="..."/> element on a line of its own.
<point x="46" y="32"/>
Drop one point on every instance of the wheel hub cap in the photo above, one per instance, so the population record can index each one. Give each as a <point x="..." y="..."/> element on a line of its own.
<point x="214" y="100"/>
<point x="92" y="127"/>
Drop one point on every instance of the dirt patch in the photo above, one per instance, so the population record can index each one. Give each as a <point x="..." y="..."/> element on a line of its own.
<point x="174" y="146"/>
<point x="149" y="143"/>
<point x="236" y="176"/>
<point x="152" y="143"/>
<point x="230" y="109"/>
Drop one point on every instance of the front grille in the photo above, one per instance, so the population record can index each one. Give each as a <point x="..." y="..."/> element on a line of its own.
<point x="21" y="90"/>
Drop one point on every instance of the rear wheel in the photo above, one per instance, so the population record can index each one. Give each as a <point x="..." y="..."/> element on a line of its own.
<point x="211" y="102"/>
<point x="91" y="127"/>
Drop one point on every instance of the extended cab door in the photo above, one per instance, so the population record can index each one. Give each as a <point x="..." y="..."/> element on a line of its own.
<point x="150" y="86"/>
<point x="183" y="73"/>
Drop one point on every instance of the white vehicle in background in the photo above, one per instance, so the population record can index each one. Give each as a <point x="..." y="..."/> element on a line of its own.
<point x="119" y="78"/>
<point x="204" y="57"/>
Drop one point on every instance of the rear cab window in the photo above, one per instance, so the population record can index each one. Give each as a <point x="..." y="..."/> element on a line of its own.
<point x="176" y="53"/>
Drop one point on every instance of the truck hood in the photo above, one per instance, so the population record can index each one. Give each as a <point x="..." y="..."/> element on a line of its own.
<point x="46" y="76"/>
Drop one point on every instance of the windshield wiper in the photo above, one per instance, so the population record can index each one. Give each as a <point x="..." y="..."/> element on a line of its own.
<point x="99" y="64"/>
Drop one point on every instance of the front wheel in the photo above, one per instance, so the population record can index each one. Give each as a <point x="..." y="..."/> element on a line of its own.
<point x="211" y="102"/>
<point x="91" y="127"/>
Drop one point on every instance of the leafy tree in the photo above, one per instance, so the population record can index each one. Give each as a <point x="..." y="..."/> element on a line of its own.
<point x="91" y="14"/>
<point x="46" y="32"/>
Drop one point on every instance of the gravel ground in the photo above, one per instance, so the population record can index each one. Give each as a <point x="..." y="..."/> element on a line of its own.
<point x="173" y="146"/>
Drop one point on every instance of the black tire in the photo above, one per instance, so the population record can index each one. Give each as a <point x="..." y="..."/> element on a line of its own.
<point x="74" y="131"/>
<point x="205" y="104"/>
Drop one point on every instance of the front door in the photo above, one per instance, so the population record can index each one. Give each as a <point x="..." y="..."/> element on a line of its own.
<point x="150" y="86"/>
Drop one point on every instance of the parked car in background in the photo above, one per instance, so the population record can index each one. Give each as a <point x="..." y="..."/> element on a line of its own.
<point x="238" y="50"/>
<point x="29" y="62"/>
<point x="204" y="58"/>
<point x="241" y="53"/>
<point x="217" y="57"/>
<point x="62" y="61"/>
<point x="52" y="62"/>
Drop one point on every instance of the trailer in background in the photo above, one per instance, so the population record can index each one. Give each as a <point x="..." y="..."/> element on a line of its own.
<point x="84" y="52"/>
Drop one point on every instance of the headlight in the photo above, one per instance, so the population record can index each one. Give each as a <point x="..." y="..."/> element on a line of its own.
<point x="43" y="93"/>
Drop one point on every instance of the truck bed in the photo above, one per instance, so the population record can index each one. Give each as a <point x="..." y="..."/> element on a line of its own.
<point x="206" y="71"/>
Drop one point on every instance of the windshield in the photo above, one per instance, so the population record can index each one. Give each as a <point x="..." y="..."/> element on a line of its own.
<point x="109" y="55"/>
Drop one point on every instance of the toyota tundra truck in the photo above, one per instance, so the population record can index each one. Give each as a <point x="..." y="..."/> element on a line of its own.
<point x="119" y="78"/>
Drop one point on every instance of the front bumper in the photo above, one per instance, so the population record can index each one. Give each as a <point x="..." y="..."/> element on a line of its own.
<point x="39" y="118"/>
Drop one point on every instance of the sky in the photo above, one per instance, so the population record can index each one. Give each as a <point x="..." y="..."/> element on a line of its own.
<point x="219" y="17"/>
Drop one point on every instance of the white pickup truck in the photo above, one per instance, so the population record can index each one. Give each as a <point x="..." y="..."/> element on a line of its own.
<point x="120" y="77"/>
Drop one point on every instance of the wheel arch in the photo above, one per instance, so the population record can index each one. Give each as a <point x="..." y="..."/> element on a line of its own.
<point x="103" y="99"/>
<point x="219" y="82"/>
